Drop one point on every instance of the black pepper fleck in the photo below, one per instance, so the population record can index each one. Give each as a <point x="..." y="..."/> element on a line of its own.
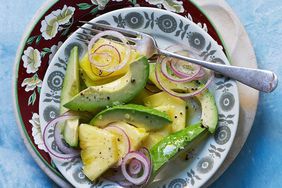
<point x="175" y="117"/>
<point x="133" y="80"/>
<point x="198" y="82"/>
<point x="108" y="98"/>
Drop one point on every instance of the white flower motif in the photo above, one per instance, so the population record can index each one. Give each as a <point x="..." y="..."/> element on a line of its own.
<point x="100" y="3"/>
<point x="189" y="17"/>
<point x="36" y="132"/>
<point x="170" y="5"/>
<point x="31" y="83"/>
<point x="203" y="26"/>
<point x="54" y="49"/>
<point x="31" y="59"/>
<point x="50" y="24"/>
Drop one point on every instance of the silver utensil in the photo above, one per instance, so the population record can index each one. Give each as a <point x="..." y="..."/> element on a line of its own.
<point x="262" y="80"/>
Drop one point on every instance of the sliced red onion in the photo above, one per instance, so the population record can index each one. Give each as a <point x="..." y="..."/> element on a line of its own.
<point x="96" y="52"/>
<point x="61" y="144"/>
<point x="138" y="180"/>
<point x="178" y="69"/>
<point x="118" y="130"/>
<point x="147" y="154"/>
<point x="165" y="63"/>
<point x="200" y="75"/>
<point x="118" y="36"/>
<point x="52" y="152"/>
<point x="175" y="65"/>
<point x="176" y="94"/>
<point x="135" y="167"/>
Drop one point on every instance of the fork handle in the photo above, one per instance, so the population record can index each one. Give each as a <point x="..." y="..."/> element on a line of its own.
<point x="262" y="80"/>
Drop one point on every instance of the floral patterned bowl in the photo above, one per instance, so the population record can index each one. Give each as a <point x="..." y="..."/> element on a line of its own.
<point x="168" y="29"/>
<point x="49" y="29"/>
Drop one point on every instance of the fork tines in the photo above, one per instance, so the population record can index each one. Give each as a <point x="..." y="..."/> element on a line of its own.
<point x="88" y="32"/>
<point x="103" y="27"/>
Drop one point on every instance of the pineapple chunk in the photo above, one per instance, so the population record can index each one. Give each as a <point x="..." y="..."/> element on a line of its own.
<point x="122" y="142"/>
<point x="136" y="135"/>
<point x="175" y="109"/>
<point x="173" y="106"/>
<point x="99" y="150"/>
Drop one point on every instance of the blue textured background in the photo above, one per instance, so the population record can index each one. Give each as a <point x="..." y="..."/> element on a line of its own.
<point x="258" y="164"/>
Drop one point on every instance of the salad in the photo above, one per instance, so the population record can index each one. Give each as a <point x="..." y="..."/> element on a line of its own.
<point x="127" y="116"/>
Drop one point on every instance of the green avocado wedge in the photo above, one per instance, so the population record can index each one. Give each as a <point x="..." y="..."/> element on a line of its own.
<point x="170" y="146"/>
<point x="71" y="84"/>
<point x="117" y="92"/>
<point x="137" y="115"/>
<point x="71" y="87"/>
<point x="209" y="115"/>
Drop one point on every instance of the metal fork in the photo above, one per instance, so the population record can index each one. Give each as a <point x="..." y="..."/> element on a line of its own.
<point x="262" y="80"/>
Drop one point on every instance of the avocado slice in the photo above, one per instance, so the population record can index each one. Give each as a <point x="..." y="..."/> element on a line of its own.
<point x="209" y="116"/>
<point x="71" y="87"/>
<point x="137" y="115"/>
<point x="117" y="92"/>
<point x="171" y="145"/>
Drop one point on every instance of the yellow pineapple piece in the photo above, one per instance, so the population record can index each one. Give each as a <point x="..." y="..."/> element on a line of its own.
<point x="173" y="106"/>
<point x="136" y="135"/>
<point x="99" y="150"/>
<point x="175" y="109"/>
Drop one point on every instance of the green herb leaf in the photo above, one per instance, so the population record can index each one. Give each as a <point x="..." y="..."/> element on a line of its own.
<point x="48" y="50"/>
<point x="84" y="6"/>
<point x="38" y="39"/>
<point x="94" y="11"/>
<point x="30" y="40"/>
<point x="32" y="99"/>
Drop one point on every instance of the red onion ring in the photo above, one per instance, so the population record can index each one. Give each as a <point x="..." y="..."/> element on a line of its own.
<point x="116" y="35"/>
<point x="60" y="143"/>
<point x="135" y="167"/>
<point x="176" y="71"/>
<point x="145" y="164"/>
<point x="96" y="53"/>
<point x="182" y="74"/>
<point x="200" y="75"/>
<point x="147" y="154"/>
<point x="158" y="73"/>
<point x="187" y="78"/>
<point x="53" y="153"/>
